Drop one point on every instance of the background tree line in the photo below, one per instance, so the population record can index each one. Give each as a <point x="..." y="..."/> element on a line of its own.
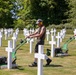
<point x="24" y="13"/>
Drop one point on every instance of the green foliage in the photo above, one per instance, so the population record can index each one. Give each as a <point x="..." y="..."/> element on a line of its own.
<point x="26" y="12"/>
<point x="5" y="14"/>
<point x="51" y="11"/>
<point x="19" y="24"/>
<point x="62" y="26"/>
<point x="72" y="12"/>
<point x="23" y="13"/>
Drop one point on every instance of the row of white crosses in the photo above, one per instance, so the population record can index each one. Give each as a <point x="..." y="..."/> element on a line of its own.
<point x="8" y="32"/>
<point x="52" y="32"/>
<point x="11" y="48"/>
<point x="59" y="37"/>
<point x="74" y="33"/>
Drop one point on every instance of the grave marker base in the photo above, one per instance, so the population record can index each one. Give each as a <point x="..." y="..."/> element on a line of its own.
<point x="60" y="54"/>
<point x="5" y="66"/>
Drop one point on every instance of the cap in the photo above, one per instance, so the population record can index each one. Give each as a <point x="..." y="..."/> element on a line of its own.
<point x="39" y="20"/>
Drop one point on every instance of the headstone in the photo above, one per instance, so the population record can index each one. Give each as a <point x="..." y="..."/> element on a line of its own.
<point x="53" y="42"/>
<point x="16" y="32"/>
<point x="0" y="39"/>
<point x="12" y="31"/>
<point x="75" y="33"/>
<point x="6" y="34"/>
<point x="31" y="45"/>
<point x="9" y="32"/>
<point x="52" y="32"/>
<point x="61" y="35"/>
<point x="58" y="40"/>
<point x="9" y="49"/>
<point x="47" y="34"/>
<point x="14" y="40"/>
<point x="64" y="31"/>
<point x="2" y="31"/>
<point x="40" y="56"/>
<point x="24" y="31"/>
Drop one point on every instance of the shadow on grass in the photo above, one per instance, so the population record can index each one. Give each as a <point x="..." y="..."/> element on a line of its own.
<point x="64" y="56"/>
<point x="52" y="65"/>
<point x="19" y="68"/>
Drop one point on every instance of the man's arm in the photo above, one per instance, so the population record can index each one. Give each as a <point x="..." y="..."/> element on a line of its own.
<point x="39" y="34"/>
<point x="29" y="36"/>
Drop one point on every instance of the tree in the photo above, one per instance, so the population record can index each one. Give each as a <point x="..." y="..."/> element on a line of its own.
<point x="51" y="11"/>
<point x="72" y="12"/>
<point x="5" y="13"/>
<point x="22" y="10"/>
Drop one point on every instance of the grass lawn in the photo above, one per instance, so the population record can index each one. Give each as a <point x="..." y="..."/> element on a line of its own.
<point x="59" y="65"/>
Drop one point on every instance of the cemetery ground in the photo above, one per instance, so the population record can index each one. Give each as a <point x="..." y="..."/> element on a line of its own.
<point x="65" y="65"/>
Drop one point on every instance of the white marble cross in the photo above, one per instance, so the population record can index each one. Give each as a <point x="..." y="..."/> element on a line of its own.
<point x="40" y="56"/>
<point x="47" y="34"/>
<point x="14" y="40"/>
<point x="61" y="35"/>
<point x="58" y="40"/>
<point x="9" y="49"/>
<point x="52" y="32"/>
<point x="9" y="32"/>
<point x="31" y="45"/>
<point x="6" y="34"/>
<point x="75" y="33"/>
<point x="2" y="30"/>
<point x="64" y="31"/>
<point x="53" y="42"/>
<point x="0" y="39"/>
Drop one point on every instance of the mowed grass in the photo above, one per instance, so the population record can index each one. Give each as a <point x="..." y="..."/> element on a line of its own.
<point x="59" y="66"/>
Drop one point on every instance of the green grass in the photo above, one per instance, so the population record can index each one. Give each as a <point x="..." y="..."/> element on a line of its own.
<point x="59" y="66"/>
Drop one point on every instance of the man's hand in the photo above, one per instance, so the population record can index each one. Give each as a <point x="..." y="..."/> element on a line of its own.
<point x="27" y="37"/>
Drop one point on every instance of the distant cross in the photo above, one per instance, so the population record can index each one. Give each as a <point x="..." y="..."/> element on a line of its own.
<point x="47" y="35"/>
<point x="58" y="40"/>
<point x="0" y="39"/>
<point x="14" y="40"/>
<point x="31" y="45"/>
<point x="53" y="42"/>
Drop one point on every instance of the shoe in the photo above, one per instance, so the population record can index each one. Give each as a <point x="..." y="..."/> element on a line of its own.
<point x="48" y="61"/>
<point x="33" y="65"/>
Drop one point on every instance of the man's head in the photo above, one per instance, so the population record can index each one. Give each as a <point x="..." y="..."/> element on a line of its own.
<point x="39" y="22"/>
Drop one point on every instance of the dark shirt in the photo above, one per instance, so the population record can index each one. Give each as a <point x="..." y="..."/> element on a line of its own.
<point x="42" y="38"/>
